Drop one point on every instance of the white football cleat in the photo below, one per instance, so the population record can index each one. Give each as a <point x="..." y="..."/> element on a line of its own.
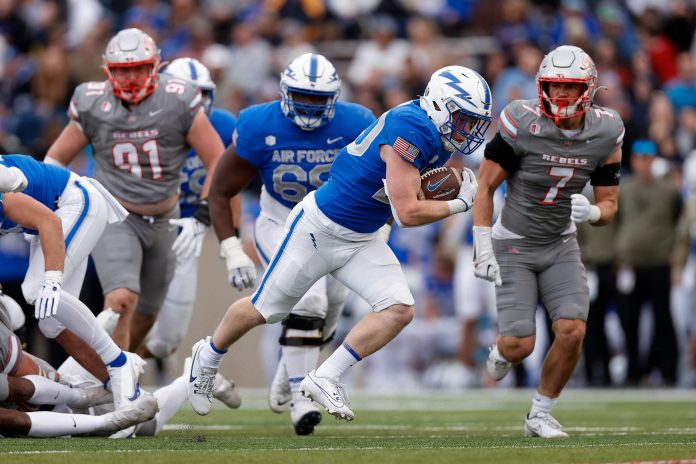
<point x="124" y="380"/>
<point x="328" y="393"/>
<point x="225" y="389"/>
<point x="305" y="416"/>
<point x="201" y="382"/>
<point x="226" y="392"/>
<point x="543" y="425"/>
<point x="279" y="395"/>
<point x="140" y="410"/>
<point x="91" y="394"/>
<point x="496" y="365"/>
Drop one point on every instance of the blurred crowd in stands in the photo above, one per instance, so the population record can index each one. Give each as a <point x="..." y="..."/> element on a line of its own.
<point x="642" y="329"/>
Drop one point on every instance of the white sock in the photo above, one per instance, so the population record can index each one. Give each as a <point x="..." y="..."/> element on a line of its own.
<point x="75" y="316"/>
<point x="170" y="399"/>
<point x="175" y="315"/>
<point x="54" y="424"/>
<point x="298" y="361"/>
<point x="49" y="392"/>
<point x="209" y="356"/>
<point x="495" y="354"/>
<point x="339" y="361"/>
<point x="541" y="403"/>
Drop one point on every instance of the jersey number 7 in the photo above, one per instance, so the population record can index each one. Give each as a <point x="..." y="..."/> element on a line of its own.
<point x="564" y="175"/>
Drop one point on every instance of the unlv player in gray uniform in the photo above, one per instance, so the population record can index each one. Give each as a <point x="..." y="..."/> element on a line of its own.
<point x="140" y="125"/>
<point x="546" y="150"/>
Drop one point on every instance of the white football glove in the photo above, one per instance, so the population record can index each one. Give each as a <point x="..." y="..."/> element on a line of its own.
<point x="46" y="304"/>
<point x="467" y="193"/>
<point x="190" y="239"/>
<point x="581" y="210"/>
<point x="12" y="179"/>
<point x="241" y="271"/>
<point x="485" y="265"/>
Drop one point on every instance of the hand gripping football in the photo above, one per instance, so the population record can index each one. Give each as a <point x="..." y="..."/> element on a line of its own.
<point x="441" y="183"/>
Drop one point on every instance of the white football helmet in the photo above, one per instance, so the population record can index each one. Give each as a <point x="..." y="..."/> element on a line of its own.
<point x="191" y="69"/>
<point x="127" y="49"/>
<point x="309" y="88"/>
<point x="458" y="101"/>
<point x="569" y="64"/>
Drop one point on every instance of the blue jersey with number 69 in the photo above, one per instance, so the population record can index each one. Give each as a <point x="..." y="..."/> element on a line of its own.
<point x="194" y="171"/>
<point x="293" y="162"/>
<point x="354" y="194"/>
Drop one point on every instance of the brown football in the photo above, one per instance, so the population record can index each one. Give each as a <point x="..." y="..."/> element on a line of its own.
<point x="441" y="183"/>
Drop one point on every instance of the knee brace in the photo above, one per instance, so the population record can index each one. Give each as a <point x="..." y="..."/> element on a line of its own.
<point x="302" y="331"/>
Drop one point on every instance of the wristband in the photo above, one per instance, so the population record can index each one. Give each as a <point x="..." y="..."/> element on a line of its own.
<point x="595" y="214"/>
<point x="202" y="213"/>
<point x="54" y="276"/>
<point x="457" y="206"/>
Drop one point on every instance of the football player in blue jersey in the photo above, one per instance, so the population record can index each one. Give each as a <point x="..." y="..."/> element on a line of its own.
<point x="334" y="230"/>
<point x="292" y="151"/>
<point x="69" y="214"/>
<point x="174" y="317"/>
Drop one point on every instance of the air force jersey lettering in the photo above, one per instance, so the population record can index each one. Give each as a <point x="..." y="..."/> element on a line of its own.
<point x="293" y="162"/>
<point x="194" y="172"/>
<point x="354" y="196"/>
<point x="138" y="153"/>
<point x="46" y="184"/>
<point x="552" y="166"/>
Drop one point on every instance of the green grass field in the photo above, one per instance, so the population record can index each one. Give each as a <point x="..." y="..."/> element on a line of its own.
<point x="469" y="427"/>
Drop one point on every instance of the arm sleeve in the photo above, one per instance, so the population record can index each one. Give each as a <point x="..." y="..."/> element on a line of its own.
<point x="501" y="152"/>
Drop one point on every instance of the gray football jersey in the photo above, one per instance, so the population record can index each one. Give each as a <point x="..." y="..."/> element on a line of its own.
<point x="138" y="150"/>
<point x="552" y="166"/>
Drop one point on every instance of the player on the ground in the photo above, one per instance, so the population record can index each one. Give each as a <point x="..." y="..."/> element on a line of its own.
<point x="334" y="230"/>
<point x="69" y="214"/>
<point x="547" y="150"/>
<point x="293" y="151"/>
<point x="140" y="125"/>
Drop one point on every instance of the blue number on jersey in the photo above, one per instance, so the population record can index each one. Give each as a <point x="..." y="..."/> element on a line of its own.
<point x="293" y="162"/>
<point x="194" y="172"/>
<point x="354" y="195"/>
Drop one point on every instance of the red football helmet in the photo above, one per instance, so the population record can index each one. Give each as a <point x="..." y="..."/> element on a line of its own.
<point x="568" y="64"/>
<point x="127" y="49"/>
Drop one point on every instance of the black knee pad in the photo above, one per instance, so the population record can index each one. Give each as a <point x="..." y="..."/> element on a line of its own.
<point x="305" y="323"/>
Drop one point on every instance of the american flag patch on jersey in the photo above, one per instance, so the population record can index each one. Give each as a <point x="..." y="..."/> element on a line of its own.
<point x="405" y="149"/>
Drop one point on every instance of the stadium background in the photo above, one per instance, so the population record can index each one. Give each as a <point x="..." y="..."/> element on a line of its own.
<point x="385" y="52"/>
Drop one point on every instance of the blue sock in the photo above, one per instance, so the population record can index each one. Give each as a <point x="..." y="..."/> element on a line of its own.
<point x="119" y="361"/>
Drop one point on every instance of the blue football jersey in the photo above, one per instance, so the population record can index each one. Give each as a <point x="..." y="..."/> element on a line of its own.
<point x="194" y="172"/>
<point x="354" y="194"/>
<point x="293" y="162"/>
<point x="45" y="185"/>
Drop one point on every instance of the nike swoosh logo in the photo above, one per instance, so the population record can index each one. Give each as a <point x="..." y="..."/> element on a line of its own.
<point x="155" y="113"/>
<point x="280" y="403"/>
<point x="136" y="394"/>
<point x="433" y="187"/>
<point x="73" y="421"/>
<point x="329" y="141"/>
<point x="335" y="401"/>
<point x="566" y="239"/>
